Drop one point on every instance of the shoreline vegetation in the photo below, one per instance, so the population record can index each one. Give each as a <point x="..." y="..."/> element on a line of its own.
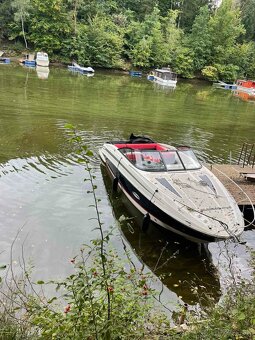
<point x="107" y="297"/>
<point x="196" y="38"/>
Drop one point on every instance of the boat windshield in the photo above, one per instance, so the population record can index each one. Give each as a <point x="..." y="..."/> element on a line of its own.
<point x="189" y="159"/>
<point x="153" y="160"/>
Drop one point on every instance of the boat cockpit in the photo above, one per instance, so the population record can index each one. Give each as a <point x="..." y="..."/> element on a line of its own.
<point x="155" y="157"/>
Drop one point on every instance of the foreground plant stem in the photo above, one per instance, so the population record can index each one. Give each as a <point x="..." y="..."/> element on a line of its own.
<point x="85" y="154"/>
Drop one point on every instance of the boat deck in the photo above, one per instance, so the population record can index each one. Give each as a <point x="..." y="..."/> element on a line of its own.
<point x="237" y="180"/>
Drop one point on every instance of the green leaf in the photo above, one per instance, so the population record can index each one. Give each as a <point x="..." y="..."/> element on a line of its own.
<point x="69" y="126"/>
<point x="40" y="282"/>
<point x="241" y="316"/>
<point x="3" y="267"/>
<point x="89" y="153"/>
<point x="51" y="300"/>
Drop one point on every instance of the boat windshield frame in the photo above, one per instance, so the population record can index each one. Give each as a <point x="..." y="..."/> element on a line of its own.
<point x="152" y="160"/>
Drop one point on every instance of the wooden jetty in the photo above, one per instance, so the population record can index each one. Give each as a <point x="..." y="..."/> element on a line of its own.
<point x="237" y="181"/>
<point x="234" y="178"/>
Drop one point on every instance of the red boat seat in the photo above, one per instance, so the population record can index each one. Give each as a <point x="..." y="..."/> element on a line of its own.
<point x="147" y="146"/>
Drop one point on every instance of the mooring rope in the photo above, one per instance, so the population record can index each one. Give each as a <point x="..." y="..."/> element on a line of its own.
<point x="242" y="192"/>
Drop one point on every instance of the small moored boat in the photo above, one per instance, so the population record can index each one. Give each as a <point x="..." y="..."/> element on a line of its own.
<point x="4" y="60"/>
<point x="134" y="73"/>
<point x="29" y="60"/>
<point x="42" y="59"/>
<point x="246" y="86"/>
<point x="225" y="86"/>
<point x="170" y="187"/>
<point x="163" y="76"/>
<point x="77" y="68"/>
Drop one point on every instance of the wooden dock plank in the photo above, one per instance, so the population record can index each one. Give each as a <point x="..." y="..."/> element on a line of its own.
<point x="233" y="178"/>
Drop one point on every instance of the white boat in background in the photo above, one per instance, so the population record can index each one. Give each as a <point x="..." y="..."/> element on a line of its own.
<point x="163" y="76"/>
<point x="77" y="68"/>
<point x="42" y="59"/>
<point x="170" y="187"/>
<point x="225" y="86"/>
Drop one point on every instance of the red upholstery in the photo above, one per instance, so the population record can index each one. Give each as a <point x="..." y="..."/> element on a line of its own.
<point x="151" y="146"/>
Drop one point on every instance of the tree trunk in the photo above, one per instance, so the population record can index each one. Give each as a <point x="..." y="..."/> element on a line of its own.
<point x="75" y="16"/>
<point x="23" y="31"/>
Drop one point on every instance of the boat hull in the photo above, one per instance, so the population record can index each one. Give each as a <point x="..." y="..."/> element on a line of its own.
<point x="30" y="63"/>
<point x="158" y="216"/>
<point x="43" y="63"/>
<point x="246" y="89"/>
<point x="171" y="83"/>
<point x="5" y="60"/>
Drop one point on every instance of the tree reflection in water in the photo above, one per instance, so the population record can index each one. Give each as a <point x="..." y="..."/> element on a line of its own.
<point x="182" y="266"/>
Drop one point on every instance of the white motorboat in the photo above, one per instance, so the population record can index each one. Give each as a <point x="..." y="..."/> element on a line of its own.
<point x="171" y="188"/>
<point x="42" y="59"/>
<point x="77" y="68"/>
<point x="163" y="76"/>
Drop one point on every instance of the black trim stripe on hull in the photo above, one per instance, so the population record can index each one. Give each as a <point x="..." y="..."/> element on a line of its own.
<point x="152" y="209"/>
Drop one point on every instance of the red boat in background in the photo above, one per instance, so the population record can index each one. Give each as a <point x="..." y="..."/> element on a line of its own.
<point x="246" y="86"/>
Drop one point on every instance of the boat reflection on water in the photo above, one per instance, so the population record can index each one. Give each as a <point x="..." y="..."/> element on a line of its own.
<point x="161" y="87"/>
<point x="182" y="266"/>
<point x="245" y="96"/>
<point x="42" y="72"/>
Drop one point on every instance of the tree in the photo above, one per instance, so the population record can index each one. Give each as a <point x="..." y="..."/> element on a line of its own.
<point x="248" y="17"/>
<point x="187" y="9"/>
<point x="100" y="43"/>
<point x="141" y="8"/>
<point x="21" y="12"/>
<point x="225" y="28"/>
<point x="199" y="41"/>
<point x="49" y="25"/>
<point x="6" y="17"/>
<point x="173" y="35"/>
<point x="145" y="41"/>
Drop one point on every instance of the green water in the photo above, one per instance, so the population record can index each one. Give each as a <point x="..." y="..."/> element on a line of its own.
<point x="42" y="188"/>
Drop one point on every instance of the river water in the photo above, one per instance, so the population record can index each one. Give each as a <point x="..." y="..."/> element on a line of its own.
<point x="42" y="188"/>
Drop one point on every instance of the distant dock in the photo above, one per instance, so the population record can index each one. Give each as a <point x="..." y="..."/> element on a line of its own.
<point x="234" y="178"/>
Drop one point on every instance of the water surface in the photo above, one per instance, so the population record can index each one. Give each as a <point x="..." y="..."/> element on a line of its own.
<point x="42" y="187"/>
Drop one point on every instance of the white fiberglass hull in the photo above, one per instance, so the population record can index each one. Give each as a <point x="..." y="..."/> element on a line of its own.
<point x="246" y="89"/>
<point x="193" y="204"/>
<point x="165" y="82"/>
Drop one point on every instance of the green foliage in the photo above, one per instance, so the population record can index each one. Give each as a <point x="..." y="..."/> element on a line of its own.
<point x="6" y="15"/>
<point x="154" y="41"/>
<point x="99" y="43"/>
<point x="104" y="297"/>
<point x="244" y="57"/>
<point x="248" y="17"/>
<point x="49" y="25"/>
<point x="189" y="11"/>
<point x="226" y="73"/>
<point x="183" y="62"/>
<point x="210" y="73"/>
<point x="173" y="35"/>
<point x="186" y="35"/>
<point x="225" y="28"/>
<point x="145" y="41"/>
<point x="233" y="319"/>
<point x="141" y="8"/>
<point x="87" y="310"/>
<point x="199" y="41"/>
